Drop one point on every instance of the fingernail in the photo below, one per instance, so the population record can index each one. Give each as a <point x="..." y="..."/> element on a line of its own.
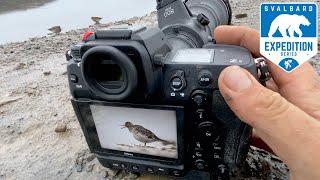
<point x="236" y="79"/>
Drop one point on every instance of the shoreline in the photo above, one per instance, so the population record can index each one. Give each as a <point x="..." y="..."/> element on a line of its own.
<point x="35" y="100"/>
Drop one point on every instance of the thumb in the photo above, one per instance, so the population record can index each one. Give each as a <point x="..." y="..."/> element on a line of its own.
<point x="291" y="133"/>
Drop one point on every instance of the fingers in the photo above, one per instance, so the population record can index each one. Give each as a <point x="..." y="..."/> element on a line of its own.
<point x="272" y="85"/>
<point x="240" y="36"/>
<point x="301" y="87"/>
<point x="285" y="128"/>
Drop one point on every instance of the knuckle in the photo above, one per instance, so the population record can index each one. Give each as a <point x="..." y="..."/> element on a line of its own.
<point x="271" y="104"/>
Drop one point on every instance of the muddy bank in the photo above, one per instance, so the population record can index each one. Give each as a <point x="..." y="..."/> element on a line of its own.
<point x="34" y="103"/>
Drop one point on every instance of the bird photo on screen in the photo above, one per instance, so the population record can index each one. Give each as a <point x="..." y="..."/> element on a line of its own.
<point x="144" y="135"/>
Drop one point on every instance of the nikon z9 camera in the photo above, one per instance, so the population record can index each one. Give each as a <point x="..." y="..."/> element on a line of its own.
<point x="147" y="99"/>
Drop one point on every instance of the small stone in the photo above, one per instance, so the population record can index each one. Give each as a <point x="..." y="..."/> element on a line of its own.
<point x="90" y="157"/>
<point x="90" y="167"/>
<point x="11" y="52"/>
<point x="47" y="73"/>
<point x="31" y="63"/>
<point x="242" y="15"/>
<point x="105" y="174"/>
<point x="34" y="86"/>
<point x="61" y="127"/>
<point x="20" y="66"/>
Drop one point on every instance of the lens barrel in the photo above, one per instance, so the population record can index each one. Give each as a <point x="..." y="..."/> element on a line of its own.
<point x="218" y="11"/>
<point x="109" y="73"/>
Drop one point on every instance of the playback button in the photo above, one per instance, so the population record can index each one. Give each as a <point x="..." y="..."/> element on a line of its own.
<point x="73" y="78"/>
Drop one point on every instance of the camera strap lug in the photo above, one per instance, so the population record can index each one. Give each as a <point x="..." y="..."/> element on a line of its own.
<point x="262" y="69"/>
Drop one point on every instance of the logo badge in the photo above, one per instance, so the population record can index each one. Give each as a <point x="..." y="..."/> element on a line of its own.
<point x="288" y="33"/>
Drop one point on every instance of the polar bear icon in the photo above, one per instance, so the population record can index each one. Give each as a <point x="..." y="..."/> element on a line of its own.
<point x="288" y="22"/>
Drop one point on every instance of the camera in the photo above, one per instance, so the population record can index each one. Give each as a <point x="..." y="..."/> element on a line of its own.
<point x="147" y="99"/>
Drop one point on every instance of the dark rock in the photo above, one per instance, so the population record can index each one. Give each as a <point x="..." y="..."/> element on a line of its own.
<point x="31" y="63"/>
<point x="261" y="165"/>
<point x="47" y="73"/>
<point x="242" y="15"/>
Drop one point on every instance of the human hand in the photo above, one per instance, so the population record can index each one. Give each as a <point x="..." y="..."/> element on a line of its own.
<point x="286" y="115"/>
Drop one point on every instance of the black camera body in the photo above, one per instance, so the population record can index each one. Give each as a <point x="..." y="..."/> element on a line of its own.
<point x="147" y="99"/>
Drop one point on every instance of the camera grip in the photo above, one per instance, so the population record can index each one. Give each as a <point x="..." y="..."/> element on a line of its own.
<point x="237" y="134"/>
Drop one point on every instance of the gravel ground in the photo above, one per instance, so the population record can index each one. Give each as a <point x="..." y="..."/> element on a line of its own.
<point x="40" y="137"/>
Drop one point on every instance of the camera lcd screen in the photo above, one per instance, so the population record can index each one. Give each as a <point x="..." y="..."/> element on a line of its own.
<point x="193" y="56"/>
<point x="137" y="130"/>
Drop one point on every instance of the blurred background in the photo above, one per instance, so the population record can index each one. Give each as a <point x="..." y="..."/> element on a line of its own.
<point x="23" y="19"/>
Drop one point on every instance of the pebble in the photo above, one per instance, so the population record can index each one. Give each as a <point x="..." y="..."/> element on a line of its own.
<point x="90" y="167"/>
<point x="242" y="15"/>
<point x="61" y="127"/>
<point x="90" y="157"/>
<point x="20" y="66"/>
<point x="105" y="174"/>
<point x="47" y="73"/>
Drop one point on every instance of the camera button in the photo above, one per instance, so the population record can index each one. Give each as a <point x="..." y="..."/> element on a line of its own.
<point x="176" y="83"/>
<point x="73" y="78"/>
<point x="115" y="165"/>
<point x="150" y="170"/>
<point x="176" y="173"/>
<point x="204" y="78"/>
<point x="200" y="164"/>
<point x="135" y="168"/>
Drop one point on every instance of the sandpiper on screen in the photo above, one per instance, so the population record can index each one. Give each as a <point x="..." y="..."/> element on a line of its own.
<point x="137" y="130"/>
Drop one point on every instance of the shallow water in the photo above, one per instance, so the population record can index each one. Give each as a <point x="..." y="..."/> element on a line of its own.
<point x="22" y="20"/>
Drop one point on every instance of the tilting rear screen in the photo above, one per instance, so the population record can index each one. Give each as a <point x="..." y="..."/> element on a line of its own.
<point x="136" y="130"/>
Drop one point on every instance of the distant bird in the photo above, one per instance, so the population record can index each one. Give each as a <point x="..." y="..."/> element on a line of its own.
<point x="144" y="135"/>
<point x="96" y="19"/>
<point x="55" y="29"/>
